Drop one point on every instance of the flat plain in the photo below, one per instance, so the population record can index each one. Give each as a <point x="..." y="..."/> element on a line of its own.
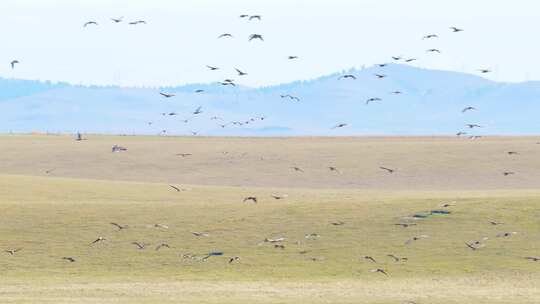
<point x="58" y="195"/>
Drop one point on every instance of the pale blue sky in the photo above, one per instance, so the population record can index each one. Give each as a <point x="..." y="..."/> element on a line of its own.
<point x="180" y="38"/>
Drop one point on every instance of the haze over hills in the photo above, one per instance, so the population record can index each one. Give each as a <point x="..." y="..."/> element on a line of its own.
<point x="430" y="104"/>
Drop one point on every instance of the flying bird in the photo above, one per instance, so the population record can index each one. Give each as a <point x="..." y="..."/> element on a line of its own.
<point x="279" y="197"/>
<point x="244" y="16"/>
<point x="508" y="173"/>
<point x="397" y="58"/>
<point x="250" y="198"/>
<point x="430" y="36"/>
<point x="468" y="109"/>
<point x="396" y="258"/>
<point x="484" y="71"/>
<point x="512" y="153"/>
<point x="212" y="68"/>
<point x="387" y="169"/>
<point x="69" y="259"/>
<point x="338" y="223"/>
<point x="240" y="73"/>
<point x="117" y="20"/>
<point x="258" y="17"/>
<point x="13" y="63"/>
<point x="256" y="36"/>
<point x="99" y="239"/>
<point x="90" y="23"/>
<point x="197" y="111"/>
<point x="433" y="51"/>
<point x="200" y="234"/>
<point x="292" y="57"/>
<point x="534" y="259"/>
<point x="184" y="154"/>
<point x="333" y="169"/>
<point x="397" y="92"/>
<point x="225" y="35"/>
<point x="372" y="100"/>
<point x="234" y="259"/>
<point x="367" y="257"/>
<point x="178" y="189"/>
<point x="297" y="169"/>
<point x="199" y="91"/>
<point x="341" y="125"/>
<point x="410" y="60"/>
<point x="13" y="251"/>
<point x="494" y="223"/>
<point x="456" y="30"/>
<point x="414" y="239"/>
<point x="461" y="133"/>
<point x="405" y="225"/>
<point x="120" y="227"/>
<point x="140" y="246"/>
<point x="162" y="245"/>
<point x="348" y="76"/>
<point x="379" y="270"/>
<point x="137" y="22"/>
<point x="380" y="76"/>
<point x="166" y="95"/>
<point x="472" y="126"/>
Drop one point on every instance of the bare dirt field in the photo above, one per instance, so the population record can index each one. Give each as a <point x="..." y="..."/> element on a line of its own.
<point x="448" y="193"/>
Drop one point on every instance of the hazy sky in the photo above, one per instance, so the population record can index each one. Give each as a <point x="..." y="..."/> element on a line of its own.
<point x="180" y="38"/>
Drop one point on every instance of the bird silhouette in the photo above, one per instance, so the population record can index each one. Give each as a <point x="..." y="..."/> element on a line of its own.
<point x="433" y="51"/>
<point x="333" y="169"/>
<point x="508" y="173"/>
<point x="234" y="259"/>
<point x="140" y="246"/>
<point x="253" y="17"/>
<point x="455" y="29"/>
<point x="396" y="258"/>
<point x="137" y="22"/>
<point x="226" y="35"/>
<point x="348" y="76"/>
<point x="69" y="259"/>
<point x="240" y="73"/>
<point x="472" y="126"/>
<point x="200" y="234"/>
<point x="341" y="125"/>
<point x="120" y="227"/>
<point x="380" y="76"/>
<point x="405" y="225"/>
<point x="292" y="57"/>
<point x="197" y="111"/>
<point x="387" y="169"/>
<point x="90" y="23"/>
<point x="411" y="60"/>
<point x="13" y="251"/>
<point x="99" y="239"/>
<point x="250" y="198"/>
<point x="212" y="68"/>
<point x="117" y="20"/>
<point x="430" y="36"/>
<point x="166" y="95"/>
<point x="13" y="63"/>
<point x="414" y="239"/>
<point x="256" y="36"/>
<point x="367" y="257"/>
<point x="484" y="71"/>
<point x="468" y="109"/>
<point x="162" y="245"/>
<point x="178" y="189"/>
<point x="297" y="169"/>
<point x="534" y="259"/>
<point x="379" y="270"/>
<point x="370" y="100"/>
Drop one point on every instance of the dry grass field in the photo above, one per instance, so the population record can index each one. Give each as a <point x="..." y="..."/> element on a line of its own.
<point x="56" y="214"/>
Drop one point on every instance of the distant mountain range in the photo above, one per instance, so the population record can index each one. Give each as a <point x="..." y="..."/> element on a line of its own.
<point x="430" y="104"/>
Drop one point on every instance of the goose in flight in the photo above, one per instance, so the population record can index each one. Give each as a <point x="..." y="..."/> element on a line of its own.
<point x="13" y="63"/>
<point x="200" y="234"/>
<point x="410" y="60"/>
<point x="430" y="36"/>
<point x="250" y="198"/>
<point x="334" y="169"/>
<point x="69" y="259"/>
<point x="279" y="197"/>
<point x="50" y="171"/>
<point x="387" y="169"/>
<point x="161" y="226"/>
<point x="272" y="241"/>
<point x="212" y="68"/>
<point x="433" y="51"/>
<point x="140" y="246"/>
<point x="341" y="125"/>
<point x="99" y="239"/>
<point x="338" y="223"/>
<point x="382" y="65"/>
<point x="162" y="245"/>
<point x="494" y="223"/>
<point x="405" y="225"/>
<point x="348" y="76"/>
<point x="137" y="22"/>
<point x="225" y="35"/>
<point x="397" y="58"/>
<point x="184" y="154"/>
<point x="234" y="259"/>
<point x="90" y="23"/>
<point x="460" y="133"/>
<point x="256" y="36"/>
<point x="120" y="227"/>
<point x="244" y="16"/>
<point x="228" y="83"/>
<point x="211" y="254"/>
<point x="508" y="173"/>
<point x="372" y="100"/>
<point x="166" y="95"/>
<point x="484" y="71"/>
<point x="258" y="17"/>
<point x="468" y="109"/>
<point x="414" y="239"/>
<point x="380" y="76"/>
<point x="379" y="270"/>
<point x="506" y="234"/>
<point x="367" y="257"/>
<point x="117" y="20"/>
<point x="292" y="57"/>
<point x="197" y="111"/>
<point x="13" y="251"/>
<point x="297" y="169"/>
<point x="534" y="259"/>
<point x="178" y="189"/>
<point x="456" y="30"/>
<point x="240" y="73"/>
<point x="472" y="126"/>
<point x="396" y="258"/>
<point x="397" y="92"/>
<point x="512" y="153"/>
<point x="199" y="91"/>
<point x="471" y="246"/>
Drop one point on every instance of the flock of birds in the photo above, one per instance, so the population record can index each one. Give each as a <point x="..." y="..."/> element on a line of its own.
<point x="280" y="243"/>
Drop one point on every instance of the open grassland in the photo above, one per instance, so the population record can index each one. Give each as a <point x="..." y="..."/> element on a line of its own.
<point x="57" y="216"/>
<point x="420" y="163"/>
